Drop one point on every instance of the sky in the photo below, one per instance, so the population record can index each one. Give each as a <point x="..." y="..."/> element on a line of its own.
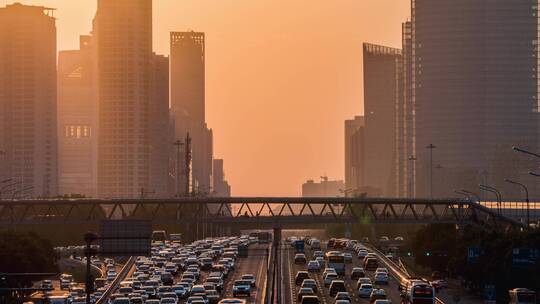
<point x="281" y="77"/>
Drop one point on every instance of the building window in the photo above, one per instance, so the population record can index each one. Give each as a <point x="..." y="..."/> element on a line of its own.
<point x="77" y="131"/>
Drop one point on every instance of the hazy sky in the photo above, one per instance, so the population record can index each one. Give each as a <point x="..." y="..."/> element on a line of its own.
<point x="282" y="76"/>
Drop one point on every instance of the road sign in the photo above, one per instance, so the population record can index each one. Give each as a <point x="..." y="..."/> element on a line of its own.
<point x="490" y="295"/>
<point x="472" y="254"/>
<point x="125" y="237"/>
<point x="524" y="257"/>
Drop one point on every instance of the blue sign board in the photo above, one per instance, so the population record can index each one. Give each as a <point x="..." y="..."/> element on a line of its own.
<point x="472" y="254"/>
<point x="524" y="257"/>
<point x="489" y="294"/>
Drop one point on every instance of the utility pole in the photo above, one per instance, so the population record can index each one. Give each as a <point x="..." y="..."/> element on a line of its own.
<point x="431" y="147"/>
<point x="178" y="145"/>
<point x="187" y="164"/>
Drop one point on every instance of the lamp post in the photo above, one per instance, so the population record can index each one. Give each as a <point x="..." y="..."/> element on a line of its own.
<point x="21" y="191"/>
<point x="412" y="159"/>
<point x="497" y="194"/>
<point x="518" y="149"/>
<point x="431" y="147"/>
<point x="8" y="186"/>
<point x="534" y="174"/>
<point x="526" y="197"/>
<point x="473" y="194"/>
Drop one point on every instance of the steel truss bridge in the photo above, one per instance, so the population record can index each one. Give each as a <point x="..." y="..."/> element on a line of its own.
<point x="256" y="212"/>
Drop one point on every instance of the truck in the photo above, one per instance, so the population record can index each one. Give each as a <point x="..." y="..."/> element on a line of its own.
<point x="242" y="251"/>
<point x="299" y="246"/>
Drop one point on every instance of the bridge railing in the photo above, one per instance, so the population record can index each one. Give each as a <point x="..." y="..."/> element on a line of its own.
<point x="128" y="266"/>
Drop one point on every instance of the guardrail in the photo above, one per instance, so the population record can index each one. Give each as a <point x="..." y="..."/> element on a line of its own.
<point x="116" y="282"/>
<point x="269" y="275"/>
<point x="394" y="269"/>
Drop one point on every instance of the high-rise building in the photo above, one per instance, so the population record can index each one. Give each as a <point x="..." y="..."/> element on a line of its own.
<point x="77" y="120"/>
<point x="28" y="124"/>
<point x="475" y="89"/>
<point x="160" y="141"/>
<point x="188" y="102"/>
<point x="405" y="149"/>
<point x="123" y="32"/>
<point x="382" y="66"/>
<point x="221" y="186"/>
<point x="354" y="154"/>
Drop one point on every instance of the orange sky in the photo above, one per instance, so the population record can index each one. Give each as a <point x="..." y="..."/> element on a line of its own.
<point x="282" y="76"/>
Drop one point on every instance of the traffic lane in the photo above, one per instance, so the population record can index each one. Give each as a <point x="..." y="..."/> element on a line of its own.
<point x="256" y="264"/>
<point x="391" y="289"/>
<point x="322" y="293"/>
<point x="285" y="273"/>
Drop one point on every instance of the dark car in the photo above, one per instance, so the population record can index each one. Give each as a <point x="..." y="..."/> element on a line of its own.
<point x="300" y="277"/>
<point x="310" y="300"/>
<point x="337" y="286"/>
<point x="357" y="273"/>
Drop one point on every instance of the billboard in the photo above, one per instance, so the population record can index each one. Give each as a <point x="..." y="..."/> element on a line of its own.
<point x="125" y="237"/>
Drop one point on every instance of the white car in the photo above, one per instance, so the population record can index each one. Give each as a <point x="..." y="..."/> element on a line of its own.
<point x="313" y="266"/>
<point x="365" y="290"/>
<point x="382" y="269"/>
<point x="318" y="253"/>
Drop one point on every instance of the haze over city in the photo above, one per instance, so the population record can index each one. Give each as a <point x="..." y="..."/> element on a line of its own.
<point x="281" y="76"/>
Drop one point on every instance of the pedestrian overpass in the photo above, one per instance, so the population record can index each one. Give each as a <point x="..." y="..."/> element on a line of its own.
<point x="257" y="212"/>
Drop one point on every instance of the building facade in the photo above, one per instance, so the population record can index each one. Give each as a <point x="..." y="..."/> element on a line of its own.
<point x="28" y="127"/>
<point x="123" y="30"/>
<point x="475" y="89"/>
<point x="221" y="186"/>
<point x="354" y="154"/>
<point x="382" y="66"/>
<point x="188" y="103"/>
<point x="78" y="120"/>
<point x="325" y="188"/>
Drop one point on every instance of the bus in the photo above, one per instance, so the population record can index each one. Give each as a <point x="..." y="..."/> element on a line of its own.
<point x="417" y="291"/>
<point x="159" y="236"/>
<point x="264" y="237"/>
<point x="336" y="260"/>
<point x="522" y="296"/>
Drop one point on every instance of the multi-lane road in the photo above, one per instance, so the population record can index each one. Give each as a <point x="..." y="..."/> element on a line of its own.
<point x="290" y="290"/>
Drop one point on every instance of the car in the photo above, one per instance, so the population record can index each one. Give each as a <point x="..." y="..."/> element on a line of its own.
<point x="328" y="270"/>
<point x="232" y="301"/>
<point x="337" y="286"/>
<point x="329" y="277"/>
<point x="167" y="301"/>
<point x="357" y="272"/>
<point x="309" y="283"/>
<point x="342" y="302"/>
<point x="370" y="263"/>
<point x="347" y="256"/>
<point x="299" y="258"/>
<point x="181" y="291"/>
<point x="310" y="300"/>
<point x="384" y="239"/>
<point x="438" y="284"/>
<point x="380" y="278"/>
<point x="198" y="290"/>
<point x="305" y="292"/>
<point x="399" y="239"/>
<point x="364" y="280"/>
<point x="382" y="269"/>
<point x="318" y="253"/>
<point x="242" y="287"/>
<point x="212" y="296"/>
<point x="197" y="300"/>
<point x="300" y="277"/>
<point x="250" y="278"/>
<point x="46" y="284"/>
<point x="343" y="295"/>
<point x="382" y="301"/>
<point x="313" y="266"/>
<point x="377" y="294"/>
<point x="365" y="290"/>
<point x="169" y="295"/>
<point x="121" y="300"/>
<point x="362" y="253"/>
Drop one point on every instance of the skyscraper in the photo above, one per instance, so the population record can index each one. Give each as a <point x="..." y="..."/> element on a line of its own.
<point x="221" y="186"/>
<point x="123" y="30"/>
<point x="78" y="120"/>
<point x="28" y="134"/>
<point x="381" y="89"/>
<point x="475" y="88"/>
<point x="354" y="154"/>
<point x="188" y="102"/>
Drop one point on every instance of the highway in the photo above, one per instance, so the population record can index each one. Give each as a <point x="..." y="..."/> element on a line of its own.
<point x="290" y="290"/>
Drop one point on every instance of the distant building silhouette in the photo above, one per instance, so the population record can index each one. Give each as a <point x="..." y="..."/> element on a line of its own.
<point x="28" y="136"/>
<point x="188" y="103"/>
<point x="78" y="120"/>
<point x="354" y="154"/>
<point x="325" y="188"/>
<point x="221" y="186"/>
<point x="475" y="88"/>
<point x="123" y="30"/>
<point x="382" y="67"/>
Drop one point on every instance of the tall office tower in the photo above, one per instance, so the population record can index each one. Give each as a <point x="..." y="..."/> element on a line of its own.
<point x="160" y="142"/>
<point x="405" y="154"/>
<point x="354" y="154"/>
<point x="28" y="134"/>
<point x="77" y="120"/>
<point x="221" y="186"/>
<point x="123" y="30"/>
<point x="475" y="90"/>
<point x="381" y="88"/>
<point x="188" y="102"/>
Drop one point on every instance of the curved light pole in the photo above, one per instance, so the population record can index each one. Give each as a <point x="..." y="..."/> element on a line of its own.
<point x="526" y="197"/>
<point x="21" y="191"/>
<point x="497" y="194"/>
<point x="534" y="174"/>
<point x="472" y="193"/>
<point x="8" y="186"/>
<point x="460" y="192"/>
<point x="518" y="149"/>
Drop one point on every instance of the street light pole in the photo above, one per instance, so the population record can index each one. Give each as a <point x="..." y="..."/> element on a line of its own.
<point x="518" y="149"/>
<point x="412" y="159"/>
<point x="431" y="147"/>
<point x="497" y="194"/>
<point x="472" y="193"/>
<point x="526" y="197"/>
